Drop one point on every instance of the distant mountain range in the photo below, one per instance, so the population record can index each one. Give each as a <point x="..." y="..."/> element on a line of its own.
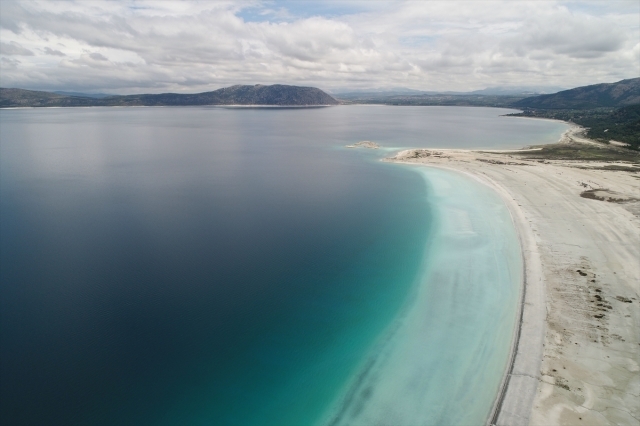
<point x="519" y="91"/>
<point x="609" y="95"/>
<point x="274" y="95"/>
<point x="82" y="94"/>
<point x="606" y="95"/>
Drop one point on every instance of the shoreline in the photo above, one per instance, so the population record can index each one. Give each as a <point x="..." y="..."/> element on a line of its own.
<point x="533" y="392"/>
<point x="527" y="338"/>
<point x="453" y="270"/>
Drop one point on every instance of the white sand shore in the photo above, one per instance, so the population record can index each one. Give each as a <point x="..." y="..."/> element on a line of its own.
<point x="578" y="357"/>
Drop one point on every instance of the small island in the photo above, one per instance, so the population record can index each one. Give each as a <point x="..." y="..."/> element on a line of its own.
<point x="364" y="144"/>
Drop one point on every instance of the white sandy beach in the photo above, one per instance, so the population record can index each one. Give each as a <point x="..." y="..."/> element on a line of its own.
<point x="578" y="356"/>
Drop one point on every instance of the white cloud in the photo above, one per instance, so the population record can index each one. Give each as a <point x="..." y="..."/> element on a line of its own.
<point x="53" y="52"/>
<point x="8" y="63"/>
<point x="13" y="48"/>
<point x="133" y="46"/>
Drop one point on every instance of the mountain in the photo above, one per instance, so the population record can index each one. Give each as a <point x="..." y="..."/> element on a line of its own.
<point x="82" y="95"/>
<point x="20" y="97"/>
<point x="517" y="90"/>
<point x="440" y="99"/>
<point x="277" y="94"/>
<point x="379" y="94"/>
<point x="354" y="96"/>
<point x="622" y="93"/>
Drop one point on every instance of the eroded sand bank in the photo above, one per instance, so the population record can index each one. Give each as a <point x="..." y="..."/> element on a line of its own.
<point x="578" y="357"/>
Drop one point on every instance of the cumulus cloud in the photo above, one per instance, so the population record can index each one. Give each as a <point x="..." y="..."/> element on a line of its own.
<point x="9" y="64"/>
<point x="133" y="46"/>
<point x="568" y="34"/>
<point x="97" y="56"/>
<point x="53" y="52"/>
<point x="14" y="48"/>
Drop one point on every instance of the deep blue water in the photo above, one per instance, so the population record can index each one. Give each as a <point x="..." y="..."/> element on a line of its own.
<point x="209" y="265"/>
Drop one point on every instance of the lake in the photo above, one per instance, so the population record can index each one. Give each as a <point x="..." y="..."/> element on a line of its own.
<point x="210" y="265"/>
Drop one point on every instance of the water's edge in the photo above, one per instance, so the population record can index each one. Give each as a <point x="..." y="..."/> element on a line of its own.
<point x="336" y="412"/>
<point x="514" y="402"/>
<point x="380" y="356"/>
<point x="140" y="243"/>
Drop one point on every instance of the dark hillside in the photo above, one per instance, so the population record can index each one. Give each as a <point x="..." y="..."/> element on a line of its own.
<point x="277" y="95"/>
<point x="622" y="93"/>
<point x="30" y="98"/>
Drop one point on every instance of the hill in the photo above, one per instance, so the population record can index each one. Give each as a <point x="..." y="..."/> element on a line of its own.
<point x="622" y="93"/>
<point x="426" y="99"/>
<point x="82" y="95"/>
<point x="602" y="124"/>
<point x="276" y="95"/>
<point x="32" y="98"/>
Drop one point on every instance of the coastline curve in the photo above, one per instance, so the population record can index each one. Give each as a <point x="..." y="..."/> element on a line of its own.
<point x="514" y="401"/>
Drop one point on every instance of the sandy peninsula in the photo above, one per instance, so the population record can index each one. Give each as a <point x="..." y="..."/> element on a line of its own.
<point x="577" y="352"/>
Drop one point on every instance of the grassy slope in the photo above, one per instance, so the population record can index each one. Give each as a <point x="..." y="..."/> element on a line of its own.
<point x="582" y="152"/>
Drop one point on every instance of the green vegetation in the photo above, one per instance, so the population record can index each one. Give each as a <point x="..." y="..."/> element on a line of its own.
<point x="618" y="168"/>
<point x="607" y="111"/>
<point x="582" y="152"/>
<point x="603" y="124"/>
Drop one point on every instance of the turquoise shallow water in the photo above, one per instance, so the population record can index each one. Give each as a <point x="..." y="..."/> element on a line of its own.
<point x="441" y="362"/>
<point x="223" y="266"/>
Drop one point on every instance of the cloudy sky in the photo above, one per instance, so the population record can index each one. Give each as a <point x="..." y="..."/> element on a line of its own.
<point x="139" y="46"/>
